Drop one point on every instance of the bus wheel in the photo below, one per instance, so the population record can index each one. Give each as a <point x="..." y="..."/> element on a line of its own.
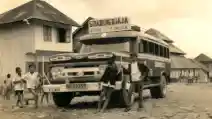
<point x="159" y="91"/>
<point x="62" y="99"/>
<point x="127" y="93"/>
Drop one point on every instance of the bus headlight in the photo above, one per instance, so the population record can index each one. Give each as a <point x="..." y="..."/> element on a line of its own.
<point x="102" y="69"/>
<point x="56" y="73"/>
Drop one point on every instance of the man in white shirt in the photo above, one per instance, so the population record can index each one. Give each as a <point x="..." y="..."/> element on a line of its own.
<point x="32" y="83"/>
<point x="18" y="82"/>
<point x="137" y="79"/>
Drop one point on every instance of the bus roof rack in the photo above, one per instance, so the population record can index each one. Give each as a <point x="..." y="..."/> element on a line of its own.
<point x="122" y="34"/>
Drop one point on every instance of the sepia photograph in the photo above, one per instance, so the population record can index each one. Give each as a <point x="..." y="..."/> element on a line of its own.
<point x="105" y="59"/>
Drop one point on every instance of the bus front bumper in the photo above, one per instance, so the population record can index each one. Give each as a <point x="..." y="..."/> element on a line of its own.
<point x="77" y="87"/>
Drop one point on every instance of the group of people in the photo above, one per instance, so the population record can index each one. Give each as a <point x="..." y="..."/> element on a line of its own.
<point x="138" y="72"/>
<point x="32" y="81"/>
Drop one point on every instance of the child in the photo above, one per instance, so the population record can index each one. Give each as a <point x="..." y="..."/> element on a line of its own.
<point x="8" y="87"/>
<point x="32" y="82"/>
<point x="4" y="91"/>
<point x="44" y="81"/>
<point x="19" y="87"/>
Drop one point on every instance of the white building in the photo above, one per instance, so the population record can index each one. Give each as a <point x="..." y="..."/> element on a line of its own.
<point x="31" y="31"/>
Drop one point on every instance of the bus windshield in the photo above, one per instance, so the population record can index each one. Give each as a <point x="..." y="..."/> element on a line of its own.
<point x="106" y="45"/>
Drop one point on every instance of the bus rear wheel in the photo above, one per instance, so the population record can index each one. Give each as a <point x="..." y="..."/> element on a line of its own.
<point x="62" y="99"/>
<point x="159" y="91"/>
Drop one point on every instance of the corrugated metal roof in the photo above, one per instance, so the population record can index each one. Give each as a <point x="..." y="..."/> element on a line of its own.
<point x="36" y="9"/>
<point x="202" y="66"/>
<point x="158" y="34"/>
<point x="174" y="49"/>
<point x="203" y="58"/>
<point x="181" y="62"/>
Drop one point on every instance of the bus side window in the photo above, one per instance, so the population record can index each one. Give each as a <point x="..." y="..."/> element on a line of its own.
<point x="146" y="46"/>
<point x="141" y="47"/>
<point x="164" y="51"/>
<point x="161" y="51"/>
<point x="151" y="48"/>
<point x="167" y="52"/>
<point x="156" y="50"/>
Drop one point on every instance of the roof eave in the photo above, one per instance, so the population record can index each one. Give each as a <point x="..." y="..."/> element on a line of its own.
<point x="81" y="26"/>
<point x="70" y="24"/>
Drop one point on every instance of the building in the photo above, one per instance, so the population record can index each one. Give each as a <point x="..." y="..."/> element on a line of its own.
<point x="203" y="71"/>
<point x="180" y="65"/>
<point x="207" y="61"/>
<point x="80" y="31"/>
<point x="30" y="33"/>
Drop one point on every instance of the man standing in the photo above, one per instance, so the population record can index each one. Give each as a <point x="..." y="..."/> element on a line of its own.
<point x="32" y="83"/>
<point x="139" y="73"/>
<point x="108" y="85"/>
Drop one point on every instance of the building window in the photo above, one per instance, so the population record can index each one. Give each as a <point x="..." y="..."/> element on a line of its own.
<point x="47" y="33"/>
<point x="68" y="36"/>
<point x="62" y="35"/>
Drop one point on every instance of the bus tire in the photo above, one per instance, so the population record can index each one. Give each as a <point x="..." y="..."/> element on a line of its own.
<point x="159" y="91"/>
<point x="62" y="99"/>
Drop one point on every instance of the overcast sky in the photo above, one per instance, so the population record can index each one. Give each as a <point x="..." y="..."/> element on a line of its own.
<point x="187" y="22"/>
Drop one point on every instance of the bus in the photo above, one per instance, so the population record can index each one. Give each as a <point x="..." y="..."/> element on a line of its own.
<point x="79" y="74"/>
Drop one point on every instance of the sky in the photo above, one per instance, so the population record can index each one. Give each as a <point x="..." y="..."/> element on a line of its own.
<point x="187" y="22"/>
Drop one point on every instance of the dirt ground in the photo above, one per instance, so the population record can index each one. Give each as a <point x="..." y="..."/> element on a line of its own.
<point x="182" y="102"/>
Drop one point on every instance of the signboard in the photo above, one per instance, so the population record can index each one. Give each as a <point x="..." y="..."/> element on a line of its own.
<point x="160" y="64"/>
<point x="109" y="25"/>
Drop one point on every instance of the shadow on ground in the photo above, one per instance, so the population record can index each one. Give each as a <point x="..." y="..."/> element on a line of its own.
<point x="93" y="104"/>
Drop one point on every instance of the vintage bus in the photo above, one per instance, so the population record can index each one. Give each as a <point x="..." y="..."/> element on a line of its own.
<point x="78" y="74"/>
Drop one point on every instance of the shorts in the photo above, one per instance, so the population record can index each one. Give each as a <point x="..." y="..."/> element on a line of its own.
<point x="19" y="92"/>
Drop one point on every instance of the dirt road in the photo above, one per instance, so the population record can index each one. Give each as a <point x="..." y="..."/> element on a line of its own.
<point x="182" y="102"/>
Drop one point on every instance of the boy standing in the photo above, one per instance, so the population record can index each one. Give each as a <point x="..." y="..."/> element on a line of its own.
<point x="19" y="87"/>
<point x="33" y="82"/>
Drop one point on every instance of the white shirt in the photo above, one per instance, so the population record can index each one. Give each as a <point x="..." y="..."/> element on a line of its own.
<point x="135" y="73"/>
<point x="31" y="80"/>
<point x="8" y="81"/>
<point x="18" y="86"/>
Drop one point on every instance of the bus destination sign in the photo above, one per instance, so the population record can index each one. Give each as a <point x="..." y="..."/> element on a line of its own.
<point x="109" y="25"/>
